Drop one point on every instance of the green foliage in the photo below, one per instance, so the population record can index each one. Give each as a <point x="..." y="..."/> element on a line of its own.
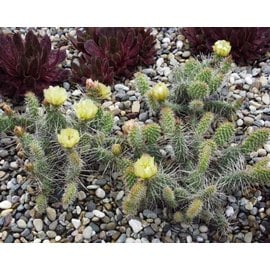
<point x="168" y="196"/>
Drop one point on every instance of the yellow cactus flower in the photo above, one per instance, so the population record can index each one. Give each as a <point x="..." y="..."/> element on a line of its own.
<point x="145" y="167"/>
<point x="222" y="48"/>
<point x="55" y="95"/>
<point x="68" y="137"/>
<point x="160" y="92"/>
<point x="104" y="92"/>
<point x="85" y="109"/>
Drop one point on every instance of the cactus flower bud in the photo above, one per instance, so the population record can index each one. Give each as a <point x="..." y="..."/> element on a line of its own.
<point x="222" y="48"/>
<point x="116" y="149"/>
<point x="145" y="167"/>
<point x="68" y="137"/>
<point x="55" y="96"/>
<point x="85" y="109"/>
<point x="6" y="108"/>
<point x="160" y="92"/>
<point x="128" y="126"/>
<point x="19" y="131"/>
<point x="97" y="89"/>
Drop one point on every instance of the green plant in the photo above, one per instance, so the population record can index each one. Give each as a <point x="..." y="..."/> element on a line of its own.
<point x="29" y="64"/>
<point x="194" y="88"/>
<point x="196" y="173"/>
<point x="61" y="149"/>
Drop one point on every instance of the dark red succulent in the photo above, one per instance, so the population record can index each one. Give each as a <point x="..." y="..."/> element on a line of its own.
<point x="111" y="53"/>
<point x="248" y="43"/>
<point x="29" y="64"/>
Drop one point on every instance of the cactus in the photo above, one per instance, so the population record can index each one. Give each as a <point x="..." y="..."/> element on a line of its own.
<point x="135" y="197"/>
<point x="168" y="196"/>
<point x="151" y="133"/>
<point x="58" y="156"/>
<point x="41" y="203"/>
<point x="224" y="134"/>
<point x="198" y="90"/>
<point x="167" y="121"/>
<point x="255" y="140"/>
<point x="135" y="138"/>
<point x="194" y="209"/>
<point x="70" y="194"/>
<point x="204" y="124"/>
<point x="141" y="83"/>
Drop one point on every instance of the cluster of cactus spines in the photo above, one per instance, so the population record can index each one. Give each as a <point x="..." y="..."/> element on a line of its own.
<point x="167" y="121"/>
<point x="255" y="140"/>
<point x="194" y="209"/>
<point x="198" y="90"/>
<point x="141" y="83"/>
<point x="135" y="197"/>
<point x="204" y="124"/>
<point x="224" y="134"/>
<point x="169" y="197"/>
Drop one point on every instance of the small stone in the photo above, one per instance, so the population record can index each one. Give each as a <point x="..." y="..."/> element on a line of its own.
<point x="76" y="93"/>
<point x="136" y="225"/>
<point x="229" y="211"/>
<point x="91" y="206"/>
<point x="51" y="213"/>
<point x="100" y="193"/>
<point x="239" y="122"/>
<point x="98" y="214"/>
<point x="5" y="204"/>
<point x="119" y="195"/>
<point x="248" y="237"/>
<point x="179" y="44"/>
<point x="3" y="153"/>
<point x="159" y="62"/>
<point x="2" y="174"/>
<point x="166" y="40"/>
<point x="248" y="79"/>
<point x="14" y="165"/>
<point x="121" y="87"/>
<point x="186" y="54"/>
<point x="249" y="206"/>
<point x="266" y="99"/>
<point x="38" y="224"/>
<point x="189" y="239"/>
<point x="51" y="234"/>
<point x="248" y="120"/>
<point x="203" y="229"/>
<point x="76" y="223"/>
<point x="21" y="224"/>
<point x="231" y="199"/>
<point x="136" y="107"/>
<point x="87" y="232"/>
<point x="262" y="152"/>
<point x="81" y="195"/>
<point x="149" y="214"/>
<point x="143" y="116"/>
<point x="57" y="238"/>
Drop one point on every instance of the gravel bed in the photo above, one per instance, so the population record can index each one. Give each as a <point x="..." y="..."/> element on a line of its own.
<point x="96" y="216"/>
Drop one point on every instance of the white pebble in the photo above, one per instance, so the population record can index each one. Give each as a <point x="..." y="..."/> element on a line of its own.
<point x="5" y="204"/>
<point x="76" y="223"/>
<point x="98" y="214"/>
<point x="229" y="211"/>
<point x="136" y="225"/>
<point x="100" y="193"/>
